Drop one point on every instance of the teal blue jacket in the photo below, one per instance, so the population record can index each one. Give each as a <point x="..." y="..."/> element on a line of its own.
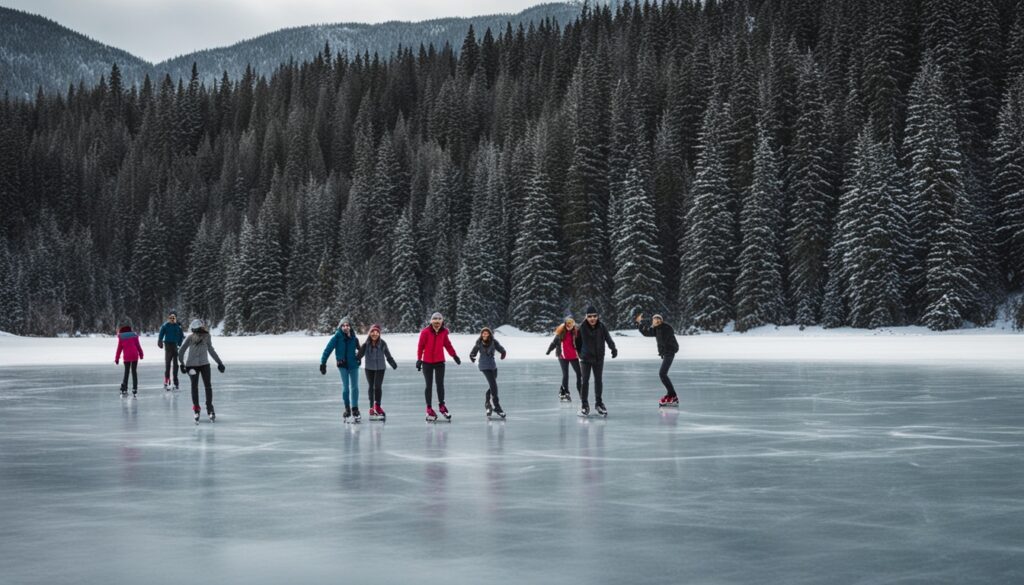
<point x="344" y="349"/>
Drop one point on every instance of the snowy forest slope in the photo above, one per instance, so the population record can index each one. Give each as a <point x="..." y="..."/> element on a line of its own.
<point x="839" y="163"/>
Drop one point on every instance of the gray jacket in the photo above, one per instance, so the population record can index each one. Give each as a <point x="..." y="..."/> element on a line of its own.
<point x="201" y="345"/>
<point x="375" y="355"/>
<point x="487" y="353"/>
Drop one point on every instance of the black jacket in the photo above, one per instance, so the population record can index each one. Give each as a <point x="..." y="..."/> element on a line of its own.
<point x="590" y="342"/>
<point x="667" y="342"/>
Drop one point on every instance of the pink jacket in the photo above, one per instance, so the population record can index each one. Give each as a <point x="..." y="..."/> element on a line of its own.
<point x="432" y="345"/>
<point x="128" y="342"/>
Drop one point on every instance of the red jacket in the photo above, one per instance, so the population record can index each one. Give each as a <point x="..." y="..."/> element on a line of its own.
<point x="568" y="346"/>
<point x="432" y="345"/>
<point x="128" y="342"/>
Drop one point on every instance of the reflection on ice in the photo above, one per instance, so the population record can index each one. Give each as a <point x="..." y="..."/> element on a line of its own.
<point x="765" y="472"/>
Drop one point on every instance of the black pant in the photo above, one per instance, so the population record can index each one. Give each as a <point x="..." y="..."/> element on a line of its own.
<point x="132" y="367"/>
<point x="433" y="372"/>
<point x="666" y="363"/>
<point x="374" y="380"/>
<point x="171" y="362"/>
<point x="565" y="373"/>
<point x="203" y="371"/>
<point x="597" y="368"/>
<point x="492" y="388"/>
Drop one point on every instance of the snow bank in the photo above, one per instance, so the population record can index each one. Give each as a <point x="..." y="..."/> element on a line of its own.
<point x="896" y="345"/>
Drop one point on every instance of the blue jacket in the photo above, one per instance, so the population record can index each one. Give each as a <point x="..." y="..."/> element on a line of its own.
<point x="171" y="333"/>
<point x="344" y="349"/>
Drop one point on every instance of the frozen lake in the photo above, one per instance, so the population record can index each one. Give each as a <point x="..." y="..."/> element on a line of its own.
<point x="768" y="473"/>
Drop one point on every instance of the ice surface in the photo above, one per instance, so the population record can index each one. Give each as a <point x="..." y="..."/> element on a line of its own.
<point x="768" y="473"/>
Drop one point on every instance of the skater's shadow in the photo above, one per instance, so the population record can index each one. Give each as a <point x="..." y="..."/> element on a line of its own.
<point x="591" y="452"/>
<point x="435" y="472"/>
<point x="495" y="468"/>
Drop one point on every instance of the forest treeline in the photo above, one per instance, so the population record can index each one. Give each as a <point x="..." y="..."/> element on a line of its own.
<point x="789" y="161"/>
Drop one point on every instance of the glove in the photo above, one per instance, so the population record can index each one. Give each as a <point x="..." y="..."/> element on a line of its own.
<point x="472" y="359"/>
<point x="160" y="344"/>
<point x="615" y="353"/>
<point x="394" y="366"/>
<point x="546" y="353"/>
<point x="184" y="369"/>
<point x="342" y="363"/>
<point x="221" y="368"/>
<point x="323" y="369"/>
<point x="116" y="362"/>
<point x="503" y="354"/>
<point x="419" y="365"/>
<point x="458" y="362"/>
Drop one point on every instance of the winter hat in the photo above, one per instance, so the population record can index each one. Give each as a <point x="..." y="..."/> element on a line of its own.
<point x="569" y="320"/>
<point x="437" y="315"/>
<point x="374" y="327"/>
<point x="344" y="321"/>
<point x="125" y="329"/>
<point x="658" y="316"/>
<point x="592" y="310"/>
<point x="196" y="324"/>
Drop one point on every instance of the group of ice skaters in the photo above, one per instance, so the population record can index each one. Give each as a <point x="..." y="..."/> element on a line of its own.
<point x="579" y="346"/>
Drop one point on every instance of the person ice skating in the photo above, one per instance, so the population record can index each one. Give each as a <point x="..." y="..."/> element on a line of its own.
<point x="564" y="346"/>
<point x="376" y="355"/>
<point x="195" y="356"/>
<point x="430" y="360"/>
<point x="590" y="344"/>
<point x="170" y="338"/>
<point x="486" y="346"/>
<point x="345" y="345"/>
<point x="668" y="346"/>
<point x="128" y="343"/>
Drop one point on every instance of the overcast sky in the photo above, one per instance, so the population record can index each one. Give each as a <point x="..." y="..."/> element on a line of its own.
<point x="159" y="29"/>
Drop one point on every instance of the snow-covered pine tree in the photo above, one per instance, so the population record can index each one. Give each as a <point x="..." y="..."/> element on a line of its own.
<point x="872" y="238"/>
<point x="150" y="271"/>
<point x="947" y="278"/>
<point x="533" y="303"/>
<point x="404" y="297"/>
<point x="759" y="296"/>
<point x="266" y="289"/>
<point x="204" y="292"/>
<point x="236" y="304"/>
<point x="635" y="254"/>
<point x="811" y="198"/>
<point x="11" y="293"/>
<point x="708" y="264"/>
<point x="480" y="281"/>
<point x="1009" y="182"/>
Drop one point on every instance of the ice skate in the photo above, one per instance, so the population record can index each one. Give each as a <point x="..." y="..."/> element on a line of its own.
<point x="431" y="415"/>
<point x="346" y="416"/>
<point x="498" y="411"/>
<point x="668" y="402"/>
<point x="584" y="410"/>
<point x="563" y="395"/>
<point x="487" y="407"/>
<point x="601" y="410"/>
<point x="167" y="384"/>
<point x="355" y="415"/>
<point x="195" y="413"/>
<point x="444" y="412"/>
<point x="212" y="415"/>
<point x="135" y="392"/>
<point x="376" y="413"/>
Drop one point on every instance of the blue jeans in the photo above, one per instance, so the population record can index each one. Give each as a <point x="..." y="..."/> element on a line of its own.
<point x="350" y="379"/>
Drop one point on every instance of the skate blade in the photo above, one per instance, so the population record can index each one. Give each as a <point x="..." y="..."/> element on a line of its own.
<point x="376" y="418"/>
<point x="675" y="405"/>
<point x="439" y="420"/>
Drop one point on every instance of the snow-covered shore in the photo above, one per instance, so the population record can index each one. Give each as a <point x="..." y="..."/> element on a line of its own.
<point x="896" y="345"/>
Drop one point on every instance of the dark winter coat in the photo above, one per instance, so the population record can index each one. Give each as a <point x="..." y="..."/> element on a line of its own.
<point x="591" y="341"/>
<point x="345" y="348"/>
<point x="667" y="342"/>
<point x="201" y="345"/>
<point x="564" y="343"/>
<point x="171" y="333"/>
<point x="376" y="355"/>
<point x="486" y="352"/>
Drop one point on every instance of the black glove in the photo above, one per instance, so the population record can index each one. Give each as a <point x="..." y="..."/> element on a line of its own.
<point x="472" y="359"/>
<point x="342" y="363"/>
<point x="548" y="352"/>
<point x="323" y="369"/>
<point x="615" y="353"/>
<point x="221" y="368"/>
<point x="184" y="370"/>
<point x="458" y="362"/>
<point x="503" y="354"/>
<point x="419" y="365"/>
<point x="160" y="344"/>
<point x="394" y="366"/>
